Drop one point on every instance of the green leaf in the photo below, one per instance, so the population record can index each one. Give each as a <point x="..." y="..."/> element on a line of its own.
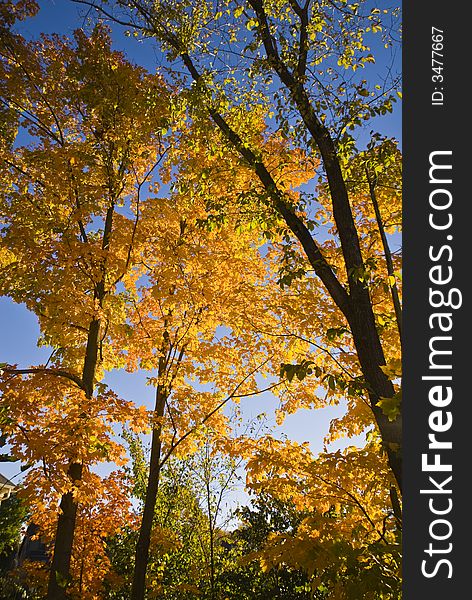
<point x="391" y="406"/>
<point x="301" y="370"/>
<point x="335" y="332"/>
<point x="62" y="581"/>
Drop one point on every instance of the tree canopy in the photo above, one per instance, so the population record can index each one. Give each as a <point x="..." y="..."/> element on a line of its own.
<point x="219" y="226"/>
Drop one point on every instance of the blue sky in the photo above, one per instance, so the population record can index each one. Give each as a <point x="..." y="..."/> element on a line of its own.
<point x="19" y="327"/>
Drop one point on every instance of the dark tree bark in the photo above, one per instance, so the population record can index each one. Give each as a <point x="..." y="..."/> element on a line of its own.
<point x="138" y="587"/>
<point x="59" y="574"/>
<point x="388" y="255"/>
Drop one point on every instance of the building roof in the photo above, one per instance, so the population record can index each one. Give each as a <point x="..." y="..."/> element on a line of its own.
<point x="6" y="482"/>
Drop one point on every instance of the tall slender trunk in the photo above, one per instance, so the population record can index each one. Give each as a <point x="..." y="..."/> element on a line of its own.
<point x="138" y="588"/>
<point x="388" y="256"/>
<point x="59" y="574"/>
<point x="211" y="523"/>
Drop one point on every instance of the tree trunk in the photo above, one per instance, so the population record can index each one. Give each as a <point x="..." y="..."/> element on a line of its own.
<point x="360" y="314"/>
<point x="370" y="354"/>
<point x="138" y="588"/>
<point x="59" y="574"/>
<point x="388" y="257"/>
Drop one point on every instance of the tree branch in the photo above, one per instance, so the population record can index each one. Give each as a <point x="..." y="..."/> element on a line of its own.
<point x="47" y="371"/>
<point x="388" y="255"/>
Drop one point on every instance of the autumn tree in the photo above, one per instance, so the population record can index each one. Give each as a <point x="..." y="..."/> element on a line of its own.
<point x="245" y="578"/>
<point x="302" y="62"/>
<point x="179" y="562"/>
<point x="191" y="298"/>
<point x="70" y="198"/>
<point x="348" y="542"/>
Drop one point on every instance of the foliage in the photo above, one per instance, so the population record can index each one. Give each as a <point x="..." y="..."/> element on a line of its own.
<point x="300" y="65"/>
<point x="245" y="579"/>
<point x="349" y="541"/>
<point x="154" y="223"/>
<point x="12" y="516"/>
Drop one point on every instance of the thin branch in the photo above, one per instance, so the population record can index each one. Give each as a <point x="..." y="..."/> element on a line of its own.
<point x="387" y="254"/>
<point x="211" y="413"/>
<point x="29" y="116"/>
<point x="302" y="13"/>
<point x="356" y="502"/>
<point x="101" y="10"/>
<point x="45" y="371"/>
